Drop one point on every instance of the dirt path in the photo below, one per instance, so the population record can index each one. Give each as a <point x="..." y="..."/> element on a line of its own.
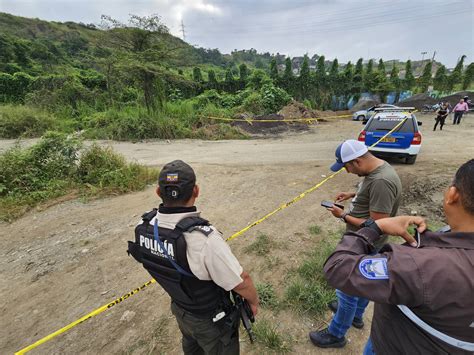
<point x="63" y="262"/>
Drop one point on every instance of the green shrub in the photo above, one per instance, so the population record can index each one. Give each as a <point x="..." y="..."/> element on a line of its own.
<point x="253" y="103"/>
<point x="273" y="98"/>
<point x="23" y="121"/>
<point x="104" y="168"/>
<point x="39" y="167"/>
<point x="51" y="168"/>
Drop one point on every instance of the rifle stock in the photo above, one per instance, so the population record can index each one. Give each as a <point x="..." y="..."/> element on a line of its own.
<point x="246" y="314"/>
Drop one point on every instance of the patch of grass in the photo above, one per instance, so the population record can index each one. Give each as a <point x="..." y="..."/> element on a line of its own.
<point x="267" y="295"/>
<point x="173" y="121"/>
<point x="312" y="266"/>
<point x="315" y="229"/>
<point x="261" y="246"/>
<point x="309" y="297"/>
<point x="270" y="262"/>
<point x="52" y="168"/>
<point x="268" y="335"/>
<point x="308" y="292"/>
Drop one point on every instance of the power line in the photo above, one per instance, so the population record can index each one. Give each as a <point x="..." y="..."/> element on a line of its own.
<point x="359" y="19"/>
<point x="339" y="26"/>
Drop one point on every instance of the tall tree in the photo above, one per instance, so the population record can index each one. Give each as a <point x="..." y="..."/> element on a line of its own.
<point x="468" y="76"/>
<point x="197" y="75"/>
<point x="304" y="79"/>
<point x="425" y="79"/>
<point x="243" y="72"/>
<point x="212" y="80"/>
<point x="229" y="80"/>
<point x="288" y="77"/>
<point x="274" y="70"/>
<point x="142" y="51"/>
<point x="323" y="95"/>
<point x="369" y="77"/>
<point x="456" y="76"/>
<point x="440" y="80"/>
<point x="409" y="81"/>
<point x="333" y="77"/>
<point x="243" y="76"/>
<point x="347" y="81"/>
<point x="382" y="84"/>
<point x="395" y="82"/>
<point x="381" y="66"/>
<point x="358" y="77"/>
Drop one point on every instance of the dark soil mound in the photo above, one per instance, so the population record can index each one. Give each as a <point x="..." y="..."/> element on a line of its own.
<point x="274" y="127"/>
<point x="454" y="98"/>
<point x="418" y="101"/>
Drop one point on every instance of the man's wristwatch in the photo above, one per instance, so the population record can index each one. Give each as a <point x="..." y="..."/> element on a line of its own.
<point x="343" y="217"/>
<point x="370" y="223"/>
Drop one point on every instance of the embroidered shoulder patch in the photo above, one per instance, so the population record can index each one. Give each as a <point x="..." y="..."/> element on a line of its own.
<point x="374" y="269"/>
<point x="206" y="230"/>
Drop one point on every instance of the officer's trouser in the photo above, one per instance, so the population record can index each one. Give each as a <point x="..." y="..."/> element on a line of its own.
<point x="203" y="336"/>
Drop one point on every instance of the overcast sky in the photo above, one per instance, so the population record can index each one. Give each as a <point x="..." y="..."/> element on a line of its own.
<point x="343" y="29"/>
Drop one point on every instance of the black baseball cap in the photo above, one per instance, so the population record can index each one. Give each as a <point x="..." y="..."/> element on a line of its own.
<point x="177" y="180"/>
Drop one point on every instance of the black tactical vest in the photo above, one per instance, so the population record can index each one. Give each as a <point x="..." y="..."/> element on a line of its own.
<point x="193" y="295"/>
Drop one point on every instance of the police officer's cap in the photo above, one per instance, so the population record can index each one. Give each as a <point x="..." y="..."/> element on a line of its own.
<point x="177" y="180"/>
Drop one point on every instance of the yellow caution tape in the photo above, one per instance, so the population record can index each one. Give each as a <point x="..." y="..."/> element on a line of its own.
<point x="86" y="317"/>
<point x="297" y="198"/>
<point x="235" y="235"/>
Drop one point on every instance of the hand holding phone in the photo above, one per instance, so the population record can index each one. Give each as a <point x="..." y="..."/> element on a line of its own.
<point x="329" y="204"/>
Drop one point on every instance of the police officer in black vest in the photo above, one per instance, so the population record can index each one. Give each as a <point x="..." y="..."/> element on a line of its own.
<point x="189" y="258"/>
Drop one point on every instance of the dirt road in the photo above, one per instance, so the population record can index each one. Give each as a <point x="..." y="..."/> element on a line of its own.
<point x="60" y="263"/>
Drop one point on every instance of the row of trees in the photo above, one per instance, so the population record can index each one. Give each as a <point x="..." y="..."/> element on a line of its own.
<point x="320" y="85"/>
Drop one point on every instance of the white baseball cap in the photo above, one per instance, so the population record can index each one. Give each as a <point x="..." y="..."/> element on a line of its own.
<point x="347" y="151"/>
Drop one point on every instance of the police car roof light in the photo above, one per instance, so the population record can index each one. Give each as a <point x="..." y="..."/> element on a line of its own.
<point x="392" y="109"/>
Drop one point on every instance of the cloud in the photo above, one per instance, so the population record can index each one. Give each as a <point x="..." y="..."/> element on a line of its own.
<point x="174" y="11"/>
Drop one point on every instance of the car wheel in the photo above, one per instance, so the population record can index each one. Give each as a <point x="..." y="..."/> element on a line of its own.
<point x="411" y="159"/>
<point x="360" y="118"/>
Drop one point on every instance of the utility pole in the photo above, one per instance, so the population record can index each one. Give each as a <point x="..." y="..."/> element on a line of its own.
<point x="423" y="56"/>
<point x="422" y="60"/>
<point x="182" y="30"/>
<point x="434" y="54"/>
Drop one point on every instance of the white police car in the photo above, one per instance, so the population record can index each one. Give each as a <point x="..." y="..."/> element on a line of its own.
<point x="404" y="142"/>
<point x="365" y="115"/>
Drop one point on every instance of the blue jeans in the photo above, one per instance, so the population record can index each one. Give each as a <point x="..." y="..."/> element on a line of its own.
<point x="348" y="308"/>
<point x="369" y="350"/>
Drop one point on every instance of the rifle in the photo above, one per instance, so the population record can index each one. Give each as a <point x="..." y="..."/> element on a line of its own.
<point x="246" y="314"/>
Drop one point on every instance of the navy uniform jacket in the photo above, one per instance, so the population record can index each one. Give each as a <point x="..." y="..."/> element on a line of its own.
<point x="436" y="281"/>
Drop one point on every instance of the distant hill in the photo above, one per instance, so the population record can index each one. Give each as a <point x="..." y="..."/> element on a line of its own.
<point x="74" y="38"/>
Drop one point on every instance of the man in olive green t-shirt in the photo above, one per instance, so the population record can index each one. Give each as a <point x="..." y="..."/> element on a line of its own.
<point x="378" y="196"/>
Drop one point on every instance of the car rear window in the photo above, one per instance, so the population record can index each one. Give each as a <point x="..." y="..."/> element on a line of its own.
<point x="388" y="123"/>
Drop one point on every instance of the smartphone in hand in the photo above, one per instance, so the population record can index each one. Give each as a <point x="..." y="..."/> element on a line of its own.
<point x="329" y="204"/>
